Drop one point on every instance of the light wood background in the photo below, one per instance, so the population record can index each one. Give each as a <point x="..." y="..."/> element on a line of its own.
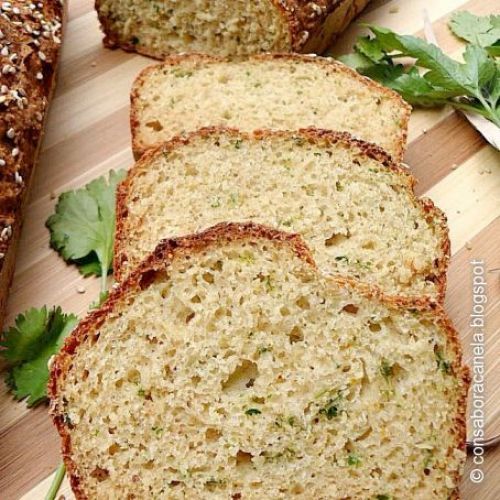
<point x="88" y="134"/>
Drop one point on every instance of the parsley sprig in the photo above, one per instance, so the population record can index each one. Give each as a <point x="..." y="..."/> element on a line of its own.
<point x="435" y="79"/>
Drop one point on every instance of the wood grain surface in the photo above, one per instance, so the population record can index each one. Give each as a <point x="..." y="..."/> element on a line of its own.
<point x="88" y="134"/>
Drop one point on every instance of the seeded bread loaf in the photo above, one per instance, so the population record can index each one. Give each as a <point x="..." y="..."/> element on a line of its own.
<point x="355" y="209"/>
<point x="158" y="28"/>
<point x="228" y="367"/>
<point x="271" y="91"/>
<point x="30" y="36"/>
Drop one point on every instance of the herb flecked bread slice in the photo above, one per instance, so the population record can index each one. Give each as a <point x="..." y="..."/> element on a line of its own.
<point x="355" y="209"/>
<point x="228" y="366"/>
<point x="158" y="28"/>
<point x="274" y="91"/>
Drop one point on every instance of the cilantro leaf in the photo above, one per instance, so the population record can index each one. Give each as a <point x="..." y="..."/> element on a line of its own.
<point x="83" y="225"/>
<point x="28" y="346"/>
<point x="483" y="31"/>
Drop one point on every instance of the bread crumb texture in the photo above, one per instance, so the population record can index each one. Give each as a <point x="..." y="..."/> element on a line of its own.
<point x="276" y="92"/>
<point x="240" y="372"/>
<point x="358" y="214"/>
<point x="162" y="27"/>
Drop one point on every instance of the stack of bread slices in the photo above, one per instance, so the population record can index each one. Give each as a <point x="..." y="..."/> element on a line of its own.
<point x="278" y="330"/>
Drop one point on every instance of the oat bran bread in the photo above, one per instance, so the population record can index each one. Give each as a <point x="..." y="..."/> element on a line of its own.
<point x="273" y="91"/>
<point x="355" y="209"/>
<point x="30" y="37"/>
<point x="227" y="366"/>
<point x="158" y="28"/>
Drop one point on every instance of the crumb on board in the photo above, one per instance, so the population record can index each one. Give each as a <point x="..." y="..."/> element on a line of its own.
<point x="468" y="245"/>
<point x="80" y="289"/>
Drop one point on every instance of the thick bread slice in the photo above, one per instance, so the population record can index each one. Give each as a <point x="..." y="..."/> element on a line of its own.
<point x="271" y="91"/>
<point x="228" y="367"/>
<point x="158" y="28"/>
<point x="355" y="208"/>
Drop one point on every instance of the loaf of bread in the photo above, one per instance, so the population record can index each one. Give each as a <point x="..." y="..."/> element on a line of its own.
<point x="158" y="28"/>
<point x="355" y="209"/>
<point x="270" y="91"/>
<point x="30" y="36"/>
<point x="228" y="367"/>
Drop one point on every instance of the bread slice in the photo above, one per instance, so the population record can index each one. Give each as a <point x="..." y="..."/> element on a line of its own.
<point x="355" y="208"/>
<point x="225" y="27"/>
<point x="228" y="367"/>
<point x="271" y="91"/>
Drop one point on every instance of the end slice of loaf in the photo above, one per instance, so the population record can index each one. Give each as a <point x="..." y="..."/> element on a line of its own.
<point x="272" y="91"/>
<point x="158" y="28"/>
<point x="355" y="209"/>
<point x="228" y="366"/>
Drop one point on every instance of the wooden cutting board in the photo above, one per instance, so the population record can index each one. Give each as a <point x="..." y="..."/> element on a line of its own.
<point x="88" y="134"/>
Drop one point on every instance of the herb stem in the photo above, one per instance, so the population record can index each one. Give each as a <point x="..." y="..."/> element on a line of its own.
<point x="104" y="280"/>
<point x="56" y="482"/>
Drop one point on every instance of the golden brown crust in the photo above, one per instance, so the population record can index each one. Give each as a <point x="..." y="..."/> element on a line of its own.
<point x="29" y="55"/>
<point x="313" y="135"/>
<point x="306" y="21"/>
<point x="169" y="250"/>
<point x="139" y="148"/>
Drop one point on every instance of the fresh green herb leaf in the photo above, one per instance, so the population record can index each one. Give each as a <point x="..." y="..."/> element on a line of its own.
<point x="483" y="31"/>
<point x="83" y="225"/>
<point x="442" y="364"/>
<point x="332" y="407"/>
<point x="353" y="459"/>
<point x="252" y="411"/>
<point x="386" y="369"/>
<point x="141" y="392"/>
<point x="37" y="335"/>
<point x="383" y="497"/>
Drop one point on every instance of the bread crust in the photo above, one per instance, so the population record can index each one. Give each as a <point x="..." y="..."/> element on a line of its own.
<point x="313" y="135"/>
<point x="139" y="148"/>
<point x="309" y="24"/>
<point x="163" y="256"/>
<point x="25" y="94"/>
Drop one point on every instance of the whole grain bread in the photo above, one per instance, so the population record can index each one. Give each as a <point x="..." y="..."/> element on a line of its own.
<point x="158" y="28"/>
<point x="30" y="37"/>
<point x="353" y="206"/>
<point x="273" y="91"/>
<point x="228" y="366"/>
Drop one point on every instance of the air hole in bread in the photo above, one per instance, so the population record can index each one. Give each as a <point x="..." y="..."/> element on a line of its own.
<point x="284" y="311"/>
<point x="303" y="302"/>
<point x="100" y="474"/>
<point x="368" y="245"/>
<point x="212" y="434"/>
<point x="208" y="277"/>
<point x="243" y="458"/>
<point x="113" y="449"/>
<point x="296" y="335"/>
<point x="155" y="125"/>
<point x="134" y="376"/>
<point x="350" y="308"/>
<point x="335" y="239"/>
<point x="243" y="377"/>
